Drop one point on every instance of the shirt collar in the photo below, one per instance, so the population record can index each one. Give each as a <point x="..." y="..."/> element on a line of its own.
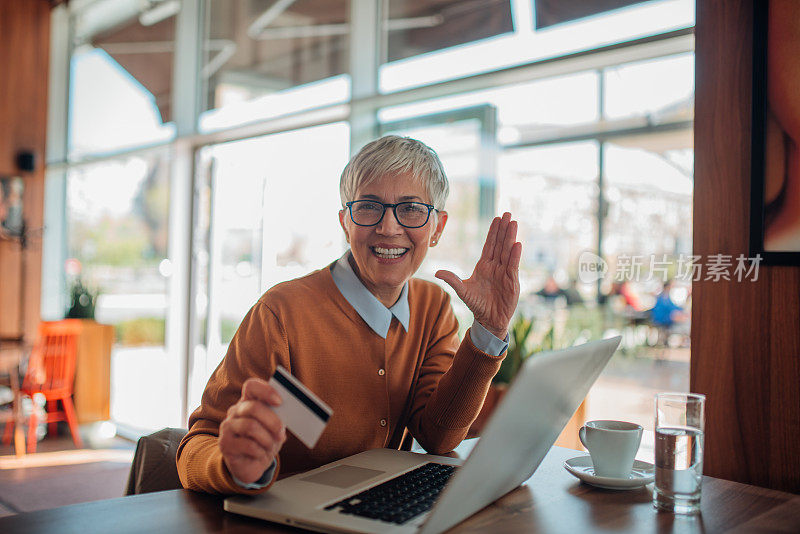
<point x="374" y="313"/>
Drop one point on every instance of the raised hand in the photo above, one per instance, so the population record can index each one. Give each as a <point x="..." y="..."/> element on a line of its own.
<point x="252" y="434"/>
<point x="492" y="292"/>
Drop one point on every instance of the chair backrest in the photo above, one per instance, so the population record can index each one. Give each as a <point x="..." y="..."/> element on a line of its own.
<point x="153" y="467"/>
<point x="51" y="366"/>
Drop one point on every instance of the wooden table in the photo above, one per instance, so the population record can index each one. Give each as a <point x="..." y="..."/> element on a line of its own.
<point x="550" y="501"/>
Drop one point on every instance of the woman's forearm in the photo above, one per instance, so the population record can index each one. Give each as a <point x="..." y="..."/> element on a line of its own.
<point x="446" y="405"/>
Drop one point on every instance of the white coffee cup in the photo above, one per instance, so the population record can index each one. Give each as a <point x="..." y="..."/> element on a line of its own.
<point x="612" y="445"/>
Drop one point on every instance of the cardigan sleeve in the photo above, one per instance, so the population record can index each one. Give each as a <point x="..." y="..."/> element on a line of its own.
<point x="257" y="347"/>
<point x="451" y="387"/>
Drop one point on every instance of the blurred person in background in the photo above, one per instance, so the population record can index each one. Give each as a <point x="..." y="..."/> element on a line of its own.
<point x="627" y="294"/>
<point x="572" y="294"/>
<point x="551" y="292"/>
<point x="666" y="315"/>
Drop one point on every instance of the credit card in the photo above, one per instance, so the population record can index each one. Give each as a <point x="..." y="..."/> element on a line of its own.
<point x="303" y="413"/>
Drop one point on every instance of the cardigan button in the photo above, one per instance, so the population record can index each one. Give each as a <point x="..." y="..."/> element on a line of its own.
<point x="383" y="422"/>
<point x="381" y="372"/>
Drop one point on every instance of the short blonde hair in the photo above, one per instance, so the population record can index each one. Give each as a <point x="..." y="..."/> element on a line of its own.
<point x="392" y="155"/>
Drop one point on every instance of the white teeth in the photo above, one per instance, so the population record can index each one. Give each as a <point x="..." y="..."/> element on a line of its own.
<point x="392" y="251"/>
<point x="389" y="252"/>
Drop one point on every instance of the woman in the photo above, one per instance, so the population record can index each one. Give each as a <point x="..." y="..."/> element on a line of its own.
<point x="379" y="347"/>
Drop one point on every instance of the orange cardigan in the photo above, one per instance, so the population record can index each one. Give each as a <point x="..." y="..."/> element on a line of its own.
<point x="430" y="384"/>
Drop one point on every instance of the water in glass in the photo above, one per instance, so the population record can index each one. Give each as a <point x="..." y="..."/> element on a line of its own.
<point x="679" y="469"/>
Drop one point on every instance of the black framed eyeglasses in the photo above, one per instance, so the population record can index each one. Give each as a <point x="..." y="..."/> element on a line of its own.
<point x="371" y="212"/>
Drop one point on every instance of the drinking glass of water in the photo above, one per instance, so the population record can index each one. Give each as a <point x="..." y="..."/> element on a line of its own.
<point x="680" y="422"/>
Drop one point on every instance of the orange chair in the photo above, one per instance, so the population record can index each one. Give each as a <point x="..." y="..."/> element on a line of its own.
<point x="51" y="372"/>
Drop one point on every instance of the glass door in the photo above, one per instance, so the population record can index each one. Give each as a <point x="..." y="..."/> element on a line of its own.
<point x="118" y="228"/>
<point x="268" y="212"/>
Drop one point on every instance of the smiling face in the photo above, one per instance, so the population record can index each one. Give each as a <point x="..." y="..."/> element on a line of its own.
<point x="387" y="255"/>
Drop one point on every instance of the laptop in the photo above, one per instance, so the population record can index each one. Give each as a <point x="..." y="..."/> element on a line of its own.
<point x="388" y="491"/>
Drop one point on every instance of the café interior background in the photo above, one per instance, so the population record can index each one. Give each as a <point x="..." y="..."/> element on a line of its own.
<point x="198" y="158"/>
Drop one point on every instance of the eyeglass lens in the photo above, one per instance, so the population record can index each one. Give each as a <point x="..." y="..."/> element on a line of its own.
<point x="409" y="214"/>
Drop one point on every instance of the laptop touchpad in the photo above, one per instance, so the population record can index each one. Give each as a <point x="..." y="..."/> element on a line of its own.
<point x="343" y="476"/>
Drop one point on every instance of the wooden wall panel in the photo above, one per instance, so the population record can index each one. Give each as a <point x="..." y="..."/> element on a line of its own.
<point x="24" y="51"/>
<point x="784" y="384"/>
<point x="10" y="294"/>
<point x="745" y="335"/>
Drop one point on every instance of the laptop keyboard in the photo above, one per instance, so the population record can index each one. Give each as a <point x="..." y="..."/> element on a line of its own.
<point x="399" y="499"/>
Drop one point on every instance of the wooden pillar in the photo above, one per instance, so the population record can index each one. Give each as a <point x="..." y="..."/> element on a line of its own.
<point x="24" y="51"/>
<point x="745" y="335"/>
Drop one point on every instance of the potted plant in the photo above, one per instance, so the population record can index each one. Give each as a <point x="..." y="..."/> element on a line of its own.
<point x="523" y="344"/>
<point x="519" y="350"/>
<point x="82" y="301"/>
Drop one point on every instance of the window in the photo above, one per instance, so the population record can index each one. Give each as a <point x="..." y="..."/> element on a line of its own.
<point x="552" y="189"/>
<point x="413" y="28"/>
<point x="264" y="59"/>
<point x="523" y="109"/>
<point x="445" y="55"/>
<point x="273" y="216"/>
<point x="553" y="140"/>
<point x="662" y="88"/>
<point x="117" y="221"/>
<point x="588" y="153"/>
<point x="121" y="77"/>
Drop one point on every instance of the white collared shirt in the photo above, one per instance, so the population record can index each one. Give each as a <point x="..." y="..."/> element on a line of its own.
<point x="378" y="317"/>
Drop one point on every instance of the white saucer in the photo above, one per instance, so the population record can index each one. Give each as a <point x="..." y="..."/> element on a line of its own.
<point x="642" y="474"/>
